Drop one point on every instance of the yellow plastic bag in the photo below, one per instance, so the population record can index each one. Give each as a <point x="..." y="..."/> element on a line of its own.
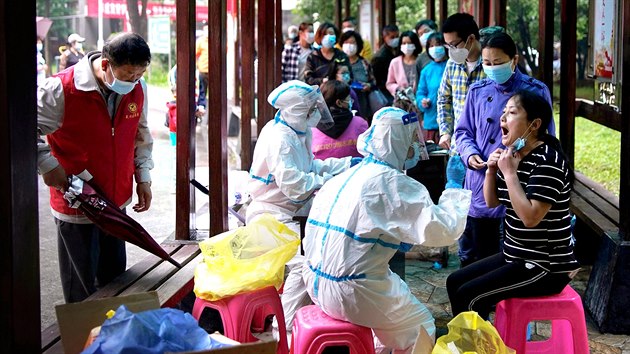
<point x="468" y="333"/>
<point x="248" y="258"/>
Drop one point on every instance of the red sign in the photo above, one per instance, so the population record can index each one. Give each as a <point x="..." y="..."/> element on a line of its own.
<point x="118" y="9"/>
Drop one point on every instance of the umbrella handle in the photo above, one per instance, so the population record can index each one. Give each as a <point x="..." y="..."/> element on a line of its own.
<point x="199" y="186"/>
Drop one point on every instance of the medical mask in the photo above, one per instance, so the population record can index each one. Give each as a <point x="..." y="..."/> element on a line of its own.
<point x="437" y="52"/>
<point x="78" y="46"/>
<point x="350" y="103"/>
<point x="393" y="42"/>
<point x="407" y="49"/>
<point x="413" y="161"/>
<point x="40" y="47"/>
<point x="499" y="73"/>
<point x="459" y="55"/>
<point x="119" y="86"/>
<point x="310" y="37"/>
<point x="348" y="29"/>
<point x="350" y="49"/>
<point x="293" y="35"/>
<point x="313" y="118"/>
<point x="424" y="38"/>
<point x="329" y="41"/>
<point x="520" y="143"/>
<point x="345" y="77"/>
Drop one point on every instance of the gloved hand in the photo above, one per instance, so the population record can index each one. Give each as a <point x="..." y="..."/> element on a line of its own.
<point x="455" y="172"/>
<point x="355" y="160"/>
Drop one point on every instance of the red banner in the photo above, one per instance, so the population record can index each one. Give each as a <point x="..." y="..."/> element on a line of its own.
<point x="118" y="9"/>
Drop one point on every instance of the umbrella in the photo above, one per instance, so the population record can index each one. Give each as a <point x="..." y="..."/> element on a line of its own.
<point x="43" y="25"/>
<point x="109" y="218"/>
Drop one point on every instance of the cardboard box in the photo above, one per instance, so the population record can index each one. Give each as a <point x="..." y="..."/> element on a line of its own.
<point x="77" y="320"/>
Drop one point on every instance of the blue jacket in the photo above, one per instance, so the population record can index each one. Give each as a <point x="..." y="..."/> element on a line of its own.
<point x="428" y="86"/>
<point x="479" y="130"/>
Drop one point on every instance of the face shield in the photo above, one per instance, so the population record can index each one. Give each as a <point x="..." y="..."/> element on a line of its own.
<point x="417" y="150"/>
<point x="318" y="116"/>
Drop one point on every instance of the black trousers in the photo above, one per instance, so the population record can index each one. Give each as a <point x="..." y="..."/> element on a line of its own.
<point x="481" y="285"/>
<point x="482" y="238"/>
<point x="88" y="259"/>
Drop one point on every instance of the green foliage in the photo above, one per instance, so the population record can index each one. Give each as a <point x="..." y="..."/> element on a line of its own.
<point x="597" y="153"/>
<point x="408" y="13"/>
<point x="60" y="29"/>
<point x="157" y="74"/>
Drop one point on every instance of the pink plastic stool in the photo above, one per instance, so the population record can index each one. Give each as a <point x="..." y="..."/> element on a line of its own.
<point x="313" y="331"/>
<point x="565" y="311"/>
<point x="237" y="313"/>
<point x="261" y="314"/>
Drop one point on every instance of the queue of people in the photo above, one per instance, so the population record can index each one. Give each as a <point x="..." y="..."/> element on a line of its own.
<point x="330" y="155"/>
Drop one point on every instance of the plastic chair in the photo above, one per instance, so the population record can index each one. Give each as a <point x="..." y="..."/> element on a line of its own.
<point x="313" y="331"/>
<point x="568" y="325"/>
<point x="261" y="314"/>
<point x="237" y="313"/>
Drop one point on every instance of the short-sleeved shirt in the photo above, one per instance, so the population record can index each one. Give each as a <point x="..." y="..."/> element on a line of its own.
<point x="544" y="176"/>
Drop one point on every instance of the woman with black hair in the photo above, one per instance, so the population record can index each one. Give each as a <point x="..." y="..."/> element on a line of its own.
<point x="363" y="80"/>
<point x="319" y="61"/>
<point x="533" y="180"/>
<point x="404" y="70"/>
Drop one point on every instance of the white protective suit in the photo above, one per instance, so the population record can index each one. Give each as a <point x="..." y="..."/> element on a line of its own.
<point x="357" y="222"/>
<point x="284" y="174"/>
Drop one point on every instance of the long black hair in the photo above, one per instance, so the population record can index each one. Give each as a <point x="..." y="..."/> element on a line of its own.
<point x="537" y="107"/>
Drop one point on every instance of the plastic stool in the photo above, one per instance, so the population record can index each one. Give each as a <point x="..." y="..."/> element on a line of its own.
<point x="261" y="314"/>
<point x="565" y="311"/>
<point x="313" y="331"/>
<point x="237" y="313"/>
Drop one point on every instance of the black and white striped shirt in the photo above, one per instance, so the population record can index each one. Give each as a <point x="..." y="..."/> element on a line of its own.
<point x="544" y="176"/>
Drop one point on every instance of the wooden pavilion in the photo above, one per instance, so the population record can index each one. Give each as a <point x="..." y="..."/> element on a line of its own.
<point x="19" y="304"/>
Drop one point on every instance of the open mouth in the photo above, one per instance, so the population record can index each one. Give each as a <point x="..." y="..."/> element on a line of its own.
<point x="504" y="131"/>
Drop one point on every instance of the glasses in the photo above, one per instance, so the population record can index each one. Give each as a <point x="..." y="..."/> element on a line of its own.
<point x="454" y="46"/>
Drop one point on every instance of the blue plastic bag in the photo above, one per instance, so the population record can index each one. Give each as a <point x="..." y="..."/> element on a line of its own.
<point x="154" y="331"/>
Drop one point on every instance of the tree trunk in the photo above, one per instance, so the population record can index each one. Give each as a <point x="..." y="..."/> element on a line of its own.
<point x="138" y="17"/>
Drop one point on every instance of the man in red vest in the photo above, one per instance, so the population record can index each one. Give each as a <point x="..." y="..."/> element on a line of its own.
<point x="94" y="116"/>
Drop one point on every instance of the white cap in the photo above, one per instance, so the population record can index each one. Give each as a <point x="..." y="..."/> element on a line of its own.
<point x="75" y="38"/>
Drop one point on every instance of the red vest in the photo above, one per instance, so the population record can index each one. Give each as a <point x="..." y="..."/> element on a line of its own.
<point x="89" y="140"/>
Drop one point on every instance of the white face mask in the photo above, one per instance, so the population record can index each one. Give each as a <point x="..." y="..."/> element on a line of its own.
<point x="393" y="42"/>
<point x="347" y="29"/>
<point x="350" y="49"/>
<point x="310" y="37"/>
<point x="459" y="55"/>
<point x="119" y="86"/>
<point x="407" y="49"/>
<point x="78" y="46"/>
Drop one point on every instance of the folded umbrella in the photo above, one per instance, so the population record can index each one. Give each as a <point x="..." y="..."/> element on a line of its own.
<point x="109" y="218"/>
<point x="43" y="25"/>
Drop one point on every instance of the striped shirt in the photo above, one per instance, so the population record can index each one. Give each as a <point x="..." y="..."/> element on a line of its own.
<point x="452" y="95"/>
<point x="543" y="174"/>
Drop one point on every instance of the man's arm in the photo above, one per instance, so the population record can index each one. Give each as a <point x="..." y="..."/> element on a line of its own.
<point x="50" y="108"/>
<point x="143" y="160"/>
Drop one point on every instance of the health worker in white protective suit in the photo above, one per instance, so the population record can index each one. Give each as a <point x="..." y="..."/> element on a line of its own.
<point x="360" y="218"/>
<point x="284" y="174"/>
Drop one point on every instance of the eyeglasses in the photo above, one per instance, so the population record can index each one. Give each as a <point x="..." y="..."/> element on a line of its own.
<point x="453" y="46"/>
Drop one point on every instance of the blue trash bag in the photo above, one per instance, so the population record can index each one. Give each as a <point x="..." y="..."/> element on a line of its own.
<point x="154" y="331"/>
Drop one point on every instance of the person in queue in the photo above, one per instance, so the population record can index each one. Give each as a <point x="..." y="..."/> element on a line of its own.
<point x="321" y="59"/>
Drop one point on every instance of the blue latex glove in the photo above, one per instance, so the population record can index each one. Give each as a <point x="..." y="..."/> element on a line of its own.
<point x="355" y="160"/>
<point x="455" y="172"/>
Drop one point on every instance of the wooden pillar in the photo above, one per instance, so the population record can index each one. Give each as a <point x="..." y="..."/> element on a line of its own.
<point x="624" y="168"/>
<point x="382" y="19"/>
<point x="266" y="26"/>
<point x="443" y="12"/>
<point x="337" y="13"/>
<point x="185" y="165"/>
<point x="430" y="5"/>
<point x="390" y="12"/>
<point x="545" y="42"/>
<point x="568" y="24"/>
<point x="237" y="56"/>
<point x="20" y="305"/>
<point x="247" y="23"/>
<point x="500" y="13"/>
<point x="347" y="11"/>
<point x="483" y="9"/>
<point x="217" y="126"/>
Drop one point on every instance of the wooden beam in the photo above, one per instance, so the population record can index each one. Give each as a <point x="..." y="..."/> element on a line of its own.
<point x="545" y="42"/>
<point x="237" y="57"/>
<point x="337" y="13"/>
<point x="390" y="12"/>
<point x="278" y="47"/>
<point x="19" y="254"/>
<point x="347" y="11"/>
<point x="185" y="165"/>
<point x="599" y="113"/>
<point x="217" y="126"/>
<point x="500" y="12"/>
<point x="247" y="23"/>
<point x="430" y="5"/>
<point x="568" y="23"/>
<point x="483" y="10"/>
<point x="624" y="168"/>
<point x="264" y="42"/>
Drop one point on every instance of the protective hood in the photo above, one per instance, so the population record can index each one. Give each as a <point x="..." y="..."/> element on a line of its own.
<point x="389" y="137"/>
<point x="297" y="102"/>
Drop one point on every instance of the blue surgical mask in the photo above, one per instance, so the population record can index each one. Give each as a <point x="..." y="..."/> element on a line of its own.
<point x="345" y="77"/>
<point x="350" y="104"/>
<point x="437" y="52"/>
<point x="329" y="41"/>
<point x="520" y="142"/>
<point x="499" y="73"/>
<point x="119" y="86"/>
<point x="413" y="161"/>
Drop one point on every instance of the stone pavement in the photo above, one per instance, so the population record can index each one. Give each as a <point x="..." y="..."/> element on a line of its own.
<point x="427" y="283"/>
